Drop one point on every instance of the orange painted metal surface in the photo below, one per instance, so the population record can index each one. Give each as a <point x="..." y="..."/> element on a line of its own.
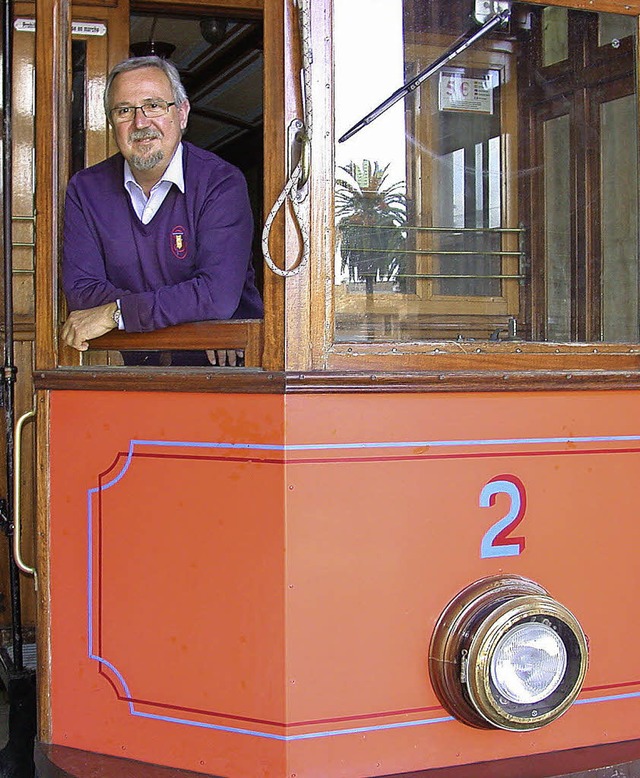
<point x="247" y="585"/>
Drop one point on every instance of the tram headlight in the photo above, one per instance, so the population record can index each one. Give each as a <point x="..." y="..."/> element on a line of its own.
<point x="504" y="654"/>
<point x="528" y="663"/>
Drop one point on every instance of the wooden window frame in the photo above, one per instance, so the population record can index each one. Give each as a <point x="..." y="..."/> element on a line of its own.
<point x="440" y="357"/>
<point x="53" y="91"/>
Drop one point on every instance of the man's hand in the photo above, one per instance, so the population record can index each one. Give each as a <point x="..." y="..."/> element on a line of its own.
<point x="83" y="326"/>
<point x="225" y="357"/>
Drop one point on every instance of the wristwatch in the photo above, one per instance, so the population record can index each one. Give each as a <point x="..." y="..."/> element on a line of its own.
<point x="117" y="316"/>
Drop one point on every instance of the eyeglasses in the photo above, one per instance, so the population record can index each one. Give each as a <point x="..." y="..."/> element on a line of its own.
<point x="151" y="109"/>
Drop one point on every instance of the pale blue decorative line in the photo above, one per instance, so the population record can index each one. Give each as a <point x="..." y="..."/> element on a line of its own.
<point x="387" y="444"/>
<point x="304" y="447"/>
<point x="288" y="738"/>
<point x="625" y="696"/>
<point x="90" y="493"/>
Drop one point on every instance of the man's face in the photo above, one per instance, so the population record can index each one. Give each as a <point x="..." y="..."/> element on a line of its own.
<point x="147" y="144"/>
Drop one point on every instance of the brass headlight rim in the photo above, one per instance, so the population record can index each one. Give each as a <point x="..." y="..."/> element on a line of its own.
<point x="472" y="604"/>
<point x="484" y="642"/>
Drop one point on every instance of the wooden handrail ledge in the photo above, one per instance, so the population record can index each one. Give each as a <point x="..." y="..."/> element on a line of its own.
<point x="241" y="334"/>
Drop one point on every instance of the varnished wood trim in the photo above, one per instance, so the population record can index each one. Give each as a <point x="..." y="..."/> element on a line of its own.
<point x="196" y="335"/>
<point x="323" y="233"/>
<point x="242" y="380"/>
<point x="244" y="334"/>
<point x="98" y="3"/>
<point x="246" y="8"/>
<point x="53" y="98"/>
<point x="489" y="364"/>
<point x="157" y="379"/>
<point x="274" y="176"/>
<point x="254" y="345"/>
<point x="490" y="381"/>
<point x="483" y="356"/>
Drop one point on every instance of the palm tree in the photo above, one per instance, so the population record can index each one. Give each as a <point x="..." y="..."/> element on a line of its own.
<point x="370" y="220"/>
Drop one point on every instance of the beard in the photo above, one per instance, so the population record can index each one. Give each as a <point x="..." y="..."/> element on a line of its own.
<point x="147" y="161"/>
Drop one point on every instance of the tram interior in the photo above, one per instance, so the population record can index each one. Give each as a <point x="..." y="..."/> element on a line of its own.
<point x="220" y="61"/>
<point x="221" y="64"/>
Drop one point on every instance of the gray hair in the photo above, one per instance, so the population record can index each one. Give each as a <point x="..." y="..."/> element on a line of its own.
<point x="134" y="63"/>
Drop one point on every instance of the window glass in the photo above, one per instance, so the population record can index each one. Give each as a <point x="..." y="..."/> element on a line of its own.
<point x="619" y="220"/>
<point x="557" y="228"/>
<point x="613" y="27"/>
<point x="555" y="35"/>
<point x="484" y="203"/>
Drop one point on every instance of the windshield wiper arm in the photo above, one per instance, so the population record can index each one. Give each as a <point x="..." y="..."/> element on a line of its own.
<point x="458" y="47"/>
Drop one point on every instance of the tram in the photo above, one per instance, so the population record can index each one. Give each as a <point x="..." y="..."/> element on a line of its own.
<point x="400" y="539"/>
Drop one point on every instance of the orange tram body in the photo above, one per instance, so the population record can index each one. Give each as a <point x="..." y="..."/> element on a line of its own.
<point x="319" y="602"/>
<point x="401" y="539"/>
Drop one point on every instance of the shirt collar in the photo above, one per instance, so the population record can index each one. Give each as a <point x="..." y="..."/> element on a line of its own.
<point x="174" y="174"/>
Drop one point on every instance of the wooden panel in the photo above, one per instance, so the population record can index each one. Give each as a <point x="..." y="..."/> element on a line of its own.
<point x="241" y="334"/>
<point x="244" y="7"/>
<point x="226" y="380"/>
<point x="325" y="382"/>
<point x="274" y="167"/>
<point x="52" y="131"/>
<point x="298" y="287"/>
<point x="195" y="335"/>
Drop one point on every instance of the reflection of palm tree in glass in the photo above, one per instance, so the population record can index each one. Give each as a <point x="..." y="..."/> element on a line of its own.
<point x="371" y="217"/>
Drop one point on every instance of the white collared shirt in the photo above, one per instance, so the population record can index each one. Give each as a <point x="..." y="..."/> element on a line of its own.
<point x="144" y="207"/>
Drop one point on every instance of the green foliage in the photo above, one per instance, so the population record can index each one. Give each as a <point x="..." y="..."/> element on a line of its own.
<point x="370" y="218"/>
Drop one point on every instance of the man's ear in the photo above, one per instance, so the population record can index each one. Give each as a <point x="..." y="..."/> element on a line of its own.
<point x="183" y="113"/>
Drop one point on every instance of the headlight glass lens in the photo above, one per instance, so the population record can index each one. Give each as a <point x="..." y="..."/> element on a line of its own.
<point x="528" y="663"/>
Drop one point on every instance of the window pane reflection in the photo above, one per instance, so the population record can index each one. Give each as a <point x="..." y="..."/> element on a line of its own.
<point x="481" y="205"/>
<point x="619" y="220"/>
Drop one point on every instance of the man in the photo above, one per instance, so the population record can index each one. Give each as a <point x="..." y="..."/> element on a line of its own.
<point x="160" y="233"/>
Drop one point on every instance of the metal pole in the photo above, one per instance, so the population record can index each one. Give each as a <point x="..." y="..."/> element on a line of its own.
<point x="9" y="369"/>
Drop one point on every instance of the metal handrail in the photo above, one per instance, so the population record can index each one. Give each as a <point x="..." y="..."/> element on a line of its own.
<point x="17" y="518"/>
<point x="446" y="276"/>
<point x="406" y="228"/>
<point x="444" y="252"/>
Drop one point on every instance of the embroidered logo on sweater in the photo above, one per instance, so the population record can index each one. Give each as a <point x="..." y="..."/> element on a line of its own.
<point x="179" y="242"/>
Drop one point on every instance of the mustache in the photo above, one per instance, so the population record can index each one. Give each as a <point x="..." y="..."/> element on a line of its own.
<point x="144" y="135"/>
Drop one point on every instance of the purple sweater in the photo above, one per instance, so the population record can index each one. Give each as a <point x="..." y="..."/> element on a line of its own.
<point x="191" y="262"/>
